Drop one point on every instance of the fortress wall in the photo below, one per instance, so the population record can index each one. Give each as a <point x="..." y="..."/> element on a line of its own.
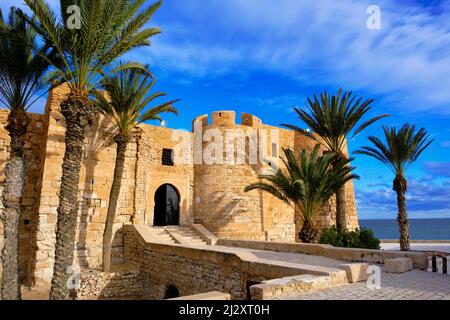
<point x="181" y="176"/>
<point x="220" y="202"/>
<point x="210" y="194"/>
<point x="34" y="140"/>
<point x="136" y="197"/>
<point x="327" y="216"/>
<point x="279" y="218"/>
<point x="223" y="207"/>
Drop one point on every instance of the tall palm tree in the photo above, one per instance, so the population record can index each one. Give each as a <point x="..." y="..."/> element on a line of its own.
<point x="335" y="120"/>
<point x="22" y="68"/>
<point x="124" y="103"/>
<point x="402" y="149"/>
<point x="306" y="185"/>
<point x="108" y="29"/>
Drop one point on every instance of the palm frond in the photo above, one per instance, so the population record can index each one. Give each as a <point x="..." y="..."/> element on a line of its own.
<point x="126" y="99"/>
<point x="23" y="64"/>
<point x="401" y="148"/>
<point x="109" y="29"/>
<point x="306" y="182"/>
<point x="335" y="119"/>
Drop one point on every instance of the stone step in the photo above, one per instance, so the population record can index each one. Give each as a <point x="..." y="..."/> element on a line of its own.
<point x="174" y="235"/>
<point x="290" y="286"/>
<point x="185" y="236"/>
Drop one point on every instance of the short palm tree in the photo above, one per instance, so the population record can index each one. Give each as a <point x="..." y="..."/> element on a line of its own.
<point x="335" y="120"/>
<point x="22" y="68"/>
<point x="124" y="103"/>
<point x="402" y="148"/>
<point x="306" y="185"/>
<point x="108" y="29"/>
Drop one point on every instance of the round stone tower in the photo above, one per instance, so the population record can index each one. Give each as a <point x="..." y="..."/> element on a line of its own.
<point x="222" y="169"/>
<point x="230" y="156"/>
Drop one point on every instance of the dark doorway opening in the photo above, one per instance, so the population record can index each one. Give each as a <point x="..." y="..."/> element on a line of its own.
<point x="167" y="206"/>
<point x="171" y="292"/>
<point x="247" y="287"/>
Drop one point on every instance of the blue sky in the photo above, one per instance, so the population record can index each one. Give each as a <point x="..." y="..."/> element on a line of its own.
<point x="266" y="56"/>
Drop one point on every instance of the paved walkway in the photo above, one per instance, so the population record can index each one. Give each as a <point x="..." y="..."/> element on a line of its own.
<point x="414" y="285"/>
<point x="419" y="246"/>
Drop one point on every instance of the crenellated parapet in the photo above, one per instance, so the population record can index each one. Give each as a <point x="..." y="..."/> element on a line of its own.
<point x="223" y="118"/>
<point x="228" y="119"/>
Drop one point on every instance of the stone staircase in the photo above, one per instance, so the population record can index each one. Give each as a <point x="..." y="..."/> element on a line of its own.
<point x="185" y="235"/>
<point x="175" y="235"/>
<point x="160" y="235"/>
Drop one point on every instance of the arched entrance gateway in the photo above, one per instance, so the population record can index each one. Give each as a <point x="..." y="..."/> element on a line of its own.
<point x="167" y="206"/>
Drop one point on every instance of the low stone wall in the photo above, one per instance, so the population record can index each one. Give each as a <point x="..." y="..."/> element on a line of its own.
<point x="190" y="271"/>
<point x="295" y="285"/>
<point x="215" y="295"/>
<point x="199" y="269"/>
<point x="419" y="259"/>
<point x="99" y="285"/>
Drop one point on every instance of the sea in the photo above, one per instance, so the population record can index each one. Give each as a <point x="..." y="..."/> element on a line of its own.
<point x="420" y="229"/>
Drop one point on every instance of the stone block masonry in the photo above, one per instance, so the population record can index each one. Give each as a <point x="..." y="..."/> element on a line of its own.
<point x="200" y="269"/>
<point x="115" y="285"/>
<point x="289" y="286"/>
<point x="398" y="265"/>
<point x="34" y="142"/>
<point x="190" y="271"/>
<point x="209" y="194"/>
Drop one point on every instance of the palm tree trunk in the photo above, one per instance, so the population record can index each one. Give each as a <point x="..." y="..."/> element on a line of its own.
<point x="341" y="223"/>
<point x="309" y="232"/>
<point x="12" y="197"/>
<point x="113" y="200"/>
<point x="77" y="111"/>
<point x="400" y="187"/>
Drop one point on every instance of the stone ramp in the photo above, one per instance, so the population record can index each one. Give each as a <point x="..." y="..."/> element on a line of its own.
<point x="268" y="269"/>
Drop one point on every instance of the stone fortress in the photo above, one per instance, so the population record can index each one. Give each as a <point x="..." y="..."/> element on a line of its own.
<point x="155" y="190"/>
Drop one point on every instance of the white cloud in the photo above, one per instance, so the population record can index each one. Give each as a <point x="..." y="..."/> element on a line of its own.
<point x="315" y="42"/>
<point x="423" y="196"/>
<point x="324" y="43"/>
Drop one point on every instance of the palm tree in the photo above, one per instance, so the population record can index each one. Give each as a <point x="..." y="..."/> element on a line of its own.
<point x="306" y="185"/>
<point x="125" y="105"/>
<point x="108" y="29"/>
<point x="335" y="121"/>
<point x="402" y="148"/>
<point x="22" y="67"/>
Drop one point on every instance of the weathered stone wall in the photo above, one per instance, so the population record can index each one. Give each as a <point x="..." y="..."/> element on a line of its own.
<point x="279" y="218"/>
<point x="154" y="140"/>
<point x="190" y="271"/>
<point x="327" y="215"/>
<point x="34" y="141"/>
<point x="211" y="194"/>
<point x="219" y="200"/>
<point x="99" y="285"/>
<point x="199" y="269"/>
<point x="143" y="174"/>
